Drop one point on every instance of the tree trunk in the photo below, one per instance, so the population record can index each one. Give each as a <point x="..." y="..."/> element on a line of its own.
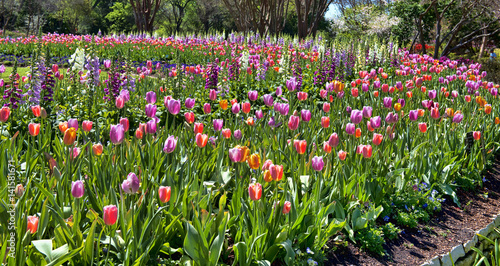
<point x="438" y="32"/>
<point x="483" y="43"/>
<point x="421" y="35"/>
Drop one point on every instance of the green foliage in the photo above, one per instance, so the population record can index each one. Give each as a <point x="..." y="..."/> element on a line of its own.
<point x="120" y="18"/>
<point x="371" y="240"/>
<point x="391" y="232"/>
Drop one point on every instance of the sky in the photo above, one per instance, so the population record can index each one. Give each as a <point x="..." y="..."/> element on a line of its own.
<point x="332" y="12"/>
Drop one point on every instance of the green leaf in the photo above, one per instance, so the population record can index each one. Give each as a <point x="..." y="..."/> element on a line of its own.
<point x="44" y="246"/>
<point x="193" y="244"/>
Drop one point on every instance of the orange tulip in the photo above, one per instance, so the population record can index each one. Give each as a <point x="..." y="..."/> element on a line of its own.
<point x="421" y="112"/>
<point x="487" y="109"/>
<point x="63" y="126"/>
<point x="223" y="104"/>
<point x="358" y="132"/>
<point x="246" y="108"/>
<point x="32" y="224"/>
<point x="449" y="112"/>
<point x="69" y="136"/>
<point x="267" y="176"/>
<point x="325" y="121"/>
<point x="497" y="120"/>
<point x="397" y="107"/>
<point x="201" y="140"/>
<point x="97" y="149"/>
<point x="422" y="127"/>
<point x="245" y="151"/>
<point x="375" y="94"/>
<point x="254" y="161"/>
<point x="255" y="191"/>
<point x="342" y="155"/>
<point x="300" y="146"/>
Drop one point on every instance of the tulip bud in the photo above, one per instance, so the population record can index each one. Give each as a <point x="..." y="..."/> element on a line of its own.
<point x="164" y="194"/>
<point x="77" y="189"/>
<point x="19" y="191"/>
<point x="110" y="214"/>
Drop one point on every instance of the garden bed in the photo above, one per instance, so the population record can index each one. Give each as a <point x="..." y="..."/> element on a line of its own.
<point x="451" y="227"/>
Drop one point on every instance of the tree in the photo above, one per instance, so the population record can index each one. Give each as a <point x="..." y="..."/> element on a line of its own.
<point x="264" y="16"/>
<point x="144" y="13"/>
<point x="309" y="13"/>
<point x="8" y="10"/>
<point x="178" y="12"/>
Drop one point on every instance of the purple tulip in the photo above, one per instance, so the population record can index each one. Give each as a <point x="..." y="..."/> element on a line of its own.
<point x="235" y="108"/>
<point x="268" y="99"/>
<point x="259" y="114"/>
<point x="125" y="94"/>
<point x="277" y="106"/>
<point x="253" y="95"/>
<point x="218" y="124"/>
<point x="235" y="155"/>
<point x="402" y="102"/>
<point x="376" y="84"/>
<point x="73" y="122"/>
<point x="494" y="92"/>
<point x="107" y="63"/>
<point x="376" y="121"/>
<point x="317" y="163"/>
<point x="174" y="106"/>
<point x="356" y="116"/>
<point x="367" y="111"/>
<point x="279" y="91"/>
<point x="426" y="104"/>
<point x="170" y="144"/>
<point x="151" y="97"/>
<point x="413" y="115"/>
<point x="350" y="128"/>
<point x="284" y="109"/>
<point x="237" y="134"/>
<point x="213" y="95"/>
<point x="77" y="189"/>
<point x="117" y="134"/>
<point x="150" y="110"/>
<point x="291" y="84"/>
<point x="391" y="118"/>
<point x="334" y="140"/>
<point x="365" y="87"/>
<point x="131" y="184"/>
<point x="207" y="108"/>
<point x="457" y="118"/>
<point x="348" y="109"/>
<point x="399" y="85"/>
<point x="305" y="115"/>
<point x="151" y="127"/>
<point x="454" y="94"/>
<point x="189" y="103"/>
<point x="432" y="94"/>
<point x="388" y="102"/>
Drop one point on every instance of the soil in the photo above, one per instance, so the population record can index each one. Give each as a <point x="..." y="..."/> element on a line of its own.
<point x="451" y="227"/>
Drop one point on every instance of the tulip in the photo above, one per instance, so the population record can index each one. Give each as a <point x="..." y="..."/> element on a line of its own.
<point x="397" y="107"/>
<point x="367" y="151"/>
<point x="213" y="95"/>
<point x="131" y="184"/>
<point x="237" y="134"/>
<point x="63" y="126"/>
<point x="198" y="128"/>
<point x="235" y="154"/>
<point x="34" y="129"/>
<point x="246" y="107"/>
<point x="259" y="114"/>
<point x="117" y="134"/>
<point x="326" y="107"/>
<point x="97" y="149"/>
<point x="170" y="144"/>
<point x="245" y="152"/>
<point x="87" y="125"/>
<point x="377" y="139"/>
<point x="189" y="117"/>
<point x="358" y="132"/>
<point x="174" y="106"/>
<point x="218" y="123"/>
<point x="125" y="94"/>
<point x="468" y="98"/>
<point x="268" y="100"/>
<point x="305" y="115"/>
<point x="235" y="108"/>
<point x="150" y="110"/>
<point x="69" y="136"/>
<point x="454" y="94"/>
<point x="77" y="189"/>
<point x="422" y="127"/>
<point x="413" y="114"/>
<point x="139" y="133"/>
<point x="387" y="102"/>
<point x="391" y="118"/>
<point x="284" y="108"/>
<point x="367" y="112"/>
<point x="326" y="147"/>
<point x="189" y="103"/>
<point x="201" y="140"/>
<point x="250" y="121"/>
<point x="342" y="155"/>
<point x="287" y="207"/>
<point x="355" y="92"/>
<point x="150" y="97"/>
<point x="376" y="121"/>
<point x="302" y="96"/>
<point x="291" y="84"/>
<point x="36" y="110"/>
<point x="276" y="172"/>
<point x="325" y="121"/>
<point x="476" y="135"/>
<point x="255" y="191"/>
<point x="356" y="116"/>
<point x="435" y="113"/>
<point x="334" y="140"/>
<point x="119" y="102"/>
<point x="110" y="214"/>
<point x="317" y="163"/>
<point x="32" y="224"/>
<point x="487" y="109"/>
<point x="300" y="146"/>
<point x="350" y="128"/>
<point x="497" y="120"/>
<point x="19" y="190"/>
<point x="125" y="123"/>
<point x="207" y="108"/>
<point x="293" y="122"/>
<point x="164" y="194"/>
<point x="432" y="94"/>
<point x="254" y="161"/>
<point x="4" y="114"/>
<point x="226" y="133"/>
<point x="151" y="127"/>
<point x="253" y="95"/>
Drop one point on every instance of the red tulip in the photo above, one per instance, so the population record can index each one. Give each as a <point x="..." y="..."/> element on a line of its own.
<point x="32" y="224"/>
<point x="201" y="140"/>
<point x="164" y="194"/>
<point x="325" y="121"/>
<point x="198" y="128"/>
<point x="34" y="129"/>
<point x="377" y="139"/>
<point x="476" y="135"/>
<point x="342" y="155"/>
<point x="326" y="147"/>
<point x="300" y="146"/>
<point x="36" y="110"/>
<point x="110" y="214"/>
<point x="255" y="191"/>
<point x="87" y="126"/>
<point x="367" y="151"/>
<point x="4" y="114"/>
<point x="246" y="107"/>
<point x="189" y="117"/>
<point x="287" y="207"/>
<point x="422" y="127"/>
<point x="276" y="172"/>
<point x="226" y="133"/>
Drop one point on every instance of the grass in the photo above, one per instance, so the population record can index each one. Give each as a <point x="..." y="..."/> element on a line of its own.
<point x="21" y="70"/>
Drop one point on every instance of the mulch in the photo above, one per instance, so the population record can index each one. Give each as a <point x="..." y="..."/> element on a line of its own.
<point x="451" y="227"/>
